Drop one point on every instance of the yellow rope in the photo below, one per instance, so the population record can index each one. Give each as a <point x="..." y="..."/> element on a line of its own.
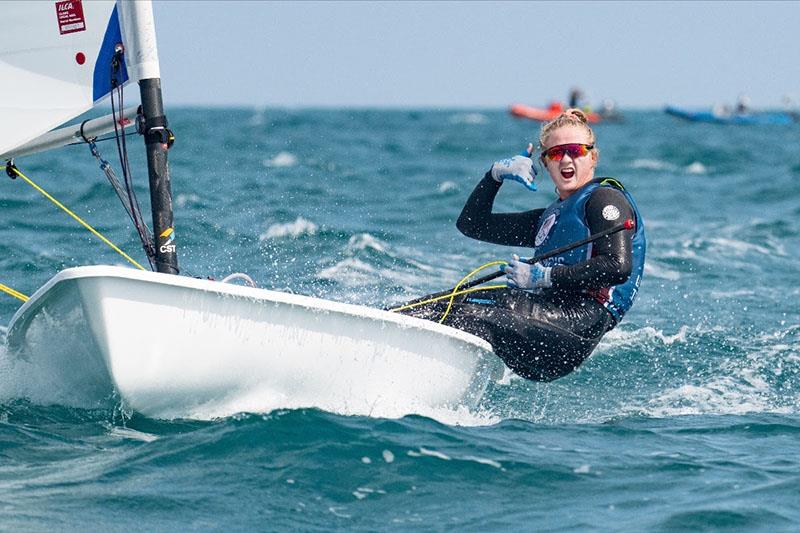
<point x="76" y="217"/>
<point x="12" y="292"/>
<point x="465" y="278"/>
<point x="465" y="291"/>
<point x="456" y="292"/>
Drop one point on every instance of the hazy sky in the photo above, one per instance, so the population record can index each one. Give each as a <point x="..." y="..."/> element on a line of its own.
<point x="477" y="54"/>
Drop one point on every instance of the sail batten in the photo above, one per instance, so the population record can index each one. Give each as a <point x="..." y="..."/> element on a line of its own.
<point x="55" y="63"/>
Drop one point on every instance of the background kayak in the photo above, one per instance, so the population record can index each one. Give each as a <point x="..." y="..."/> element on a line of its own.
<point x="734" y="118"/>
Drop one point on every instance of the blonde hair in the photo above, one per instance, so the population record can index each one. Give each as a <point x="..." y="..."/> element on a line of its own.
<point x="570" y="117"/>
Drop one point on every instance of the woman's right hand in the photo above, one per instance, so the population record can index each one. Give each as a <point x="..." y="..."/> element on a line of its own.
<point x="518" y="168"/>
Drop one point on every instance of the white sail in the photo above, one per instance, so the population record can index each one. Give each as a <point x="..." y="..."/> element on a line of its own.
<point x="55" y="60"/>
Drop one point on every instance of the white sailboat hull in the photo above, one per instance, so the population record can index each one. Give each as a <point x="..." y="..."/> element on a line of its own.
<point x="176" y="347"/>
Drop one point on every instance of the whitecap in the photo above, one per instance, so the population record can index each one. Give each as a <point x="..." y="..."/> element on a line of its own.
<point x="337" y="511"/>
<point x="448" y="186"/>
<point x="651" y="164"/>
<point x="282" y="159"/>
<point x="132" y="434"/>
<point x="422" y="266"/>
<point x="295" y="229"/>
<point x="350" y="271"/>
<point x="651" y="268"/>
<point x="483" y="461"/>
<point x="182" y="200"/>
<point x="362" y="241"/>
<point x="258" y="117"/>
<point x="647" y="333"/>
<point x="738" y="293"/>
<point x="725" y="395"/>
<point x="697" y="168"/>
<point x="738" y="386"/>
<point x="739" y="248"/>
<point x="429" y="453"/>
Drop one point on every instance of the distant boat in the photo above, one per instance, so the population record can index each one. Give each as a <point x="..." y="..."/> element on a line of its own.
<point x="715" y="117"/>
<point x="545" y="114"/>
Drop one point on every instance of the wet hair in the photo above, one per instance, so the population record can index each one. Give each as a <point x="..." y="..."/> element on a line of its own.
<point x="570" y="117"/>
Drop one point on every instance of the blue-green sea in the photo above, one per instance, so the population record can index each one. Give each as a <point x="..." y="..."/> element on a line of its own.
<point x="686" y="417"/>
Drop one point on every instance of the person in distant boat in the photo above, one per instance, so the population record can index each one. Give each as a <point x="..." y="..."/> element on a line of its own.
<point x="743" y="104"/>
<point x="551" y="315"/>
<point x="576" y="98"/>
<point x="608" y="110"/>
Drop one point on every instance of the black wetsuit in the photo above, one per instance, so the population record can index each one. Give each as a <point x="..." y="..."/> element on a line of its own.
<point x="546" y="334"/>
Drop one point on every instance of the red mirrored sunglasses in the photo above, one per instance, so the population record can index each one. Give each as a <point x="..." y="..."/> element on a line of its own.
<point x="575" y="150"/>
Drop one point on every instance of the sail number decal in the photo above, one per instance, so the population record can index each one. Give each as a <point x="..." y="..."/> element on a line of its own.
<point x="70" y="16"/>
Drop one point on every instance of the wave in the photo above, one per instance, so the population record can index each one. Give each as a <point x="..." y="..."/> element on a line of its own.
<point x="366" y="283"/>
<point x="468" y="118"/>
<point x="132" y="434"/>
<point x="188" y="200"/>
<point x="728" y="247"/>
<point x="651" y="164"/>
<point x="448" y="187"/>
<point x="258" y="118"/>
<point x="350" y="271"/>
<point x="697" y="168"/>
<point x="656" y="270"/>
<point x="736" y="293"/>
<point x="694" y="168"/>
<point x="725" y="395"/>
<point x="371" y="262"/>
<point x="281" y="160"/>
<point x="364" y="241"/>
<point x="701" y="371"/>
<point x="295" y="229"/>
<point x="626" y="338"/>
<point x="714" y="250"/>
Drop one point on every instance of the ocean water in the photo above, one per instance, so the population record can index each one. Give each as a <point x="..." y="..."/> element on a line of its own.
<point x="685" y="418"/>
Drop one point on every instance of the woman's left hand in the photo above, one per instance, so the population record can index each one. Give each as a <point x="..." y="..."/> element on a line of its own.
<point x="521" y="275"/>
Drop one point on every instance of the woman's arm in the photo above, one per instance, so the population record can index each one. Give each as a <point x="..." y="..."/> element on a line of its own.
<point x="478" y="221"/>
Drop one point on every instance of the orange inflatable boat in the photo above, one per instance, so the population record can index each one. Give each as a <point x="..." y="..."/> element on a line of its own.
<point x="538" y="113"/>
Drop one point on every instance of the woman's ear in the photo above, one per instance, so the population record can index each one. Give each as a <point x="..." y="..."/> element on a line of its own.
<point x="594" y="157"/>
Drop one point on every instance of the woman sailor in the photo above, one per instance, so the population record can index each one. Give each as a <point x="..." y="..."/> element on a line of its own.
<point x="552" y="314"/>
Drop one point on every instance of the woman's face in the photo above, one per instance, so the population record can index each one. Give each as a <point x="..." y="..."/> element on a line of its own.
<point x="573" y="171"/>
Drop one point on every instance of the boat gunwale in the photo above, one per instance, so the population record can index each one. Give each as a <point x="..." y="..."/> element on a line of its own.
<point x="27" y="309"/>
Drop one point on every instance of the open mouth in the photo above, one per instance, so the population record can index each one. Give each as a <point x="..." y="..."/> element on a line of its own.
<point x="567" y="173"/>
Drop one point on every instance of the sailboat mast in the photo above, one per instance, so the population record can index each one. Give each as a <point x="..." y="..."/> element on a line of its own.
<point x="157" y="140"/>
<point x="139" y="28"/>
